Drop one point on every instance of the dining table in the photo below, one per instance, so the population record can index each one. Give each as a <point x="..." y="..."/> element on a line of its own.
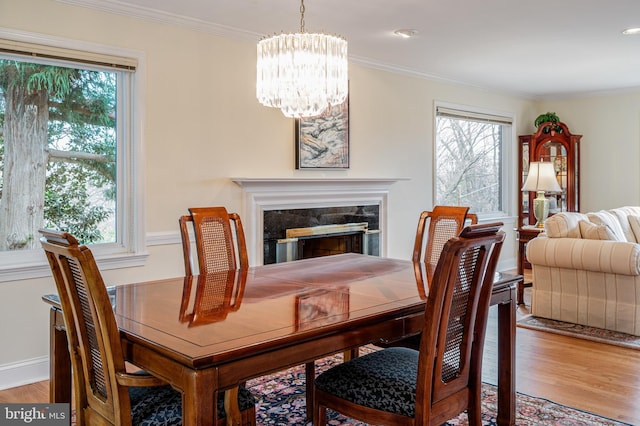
<point x="211" y="333"/>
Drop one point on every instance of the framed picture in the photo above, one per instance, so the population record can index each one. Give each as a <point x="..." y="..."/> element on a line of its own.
<point x="322" y="142"/>
<point x="321" y="307"/>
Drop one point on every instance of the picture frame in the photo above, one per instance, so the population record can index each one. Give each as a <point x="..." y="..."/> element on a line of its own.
<point x="321" y="307"/>
<point x="322" y="142"/>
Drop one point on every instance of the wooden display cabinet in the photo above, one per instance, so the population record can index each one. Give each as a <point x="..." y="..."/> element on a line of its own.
<point x="552" y="142"/>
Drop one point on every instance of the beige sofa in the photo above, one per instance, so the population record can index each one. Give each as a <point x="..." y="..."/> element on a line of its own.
<point x="586" y="269"/>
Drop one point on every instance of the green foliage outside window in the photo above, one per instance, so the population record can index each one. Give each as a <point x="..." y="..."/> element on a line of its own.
<point x="57" y="153"/>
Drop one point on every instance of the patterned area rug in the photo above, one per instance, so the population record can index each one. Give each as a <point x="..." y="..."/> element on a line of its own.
<point x="581" y="331"/>
<point x="281" y="402"/>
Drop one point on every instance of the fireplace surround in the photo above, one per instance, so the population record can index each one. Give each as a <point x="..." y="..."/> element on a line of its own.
<point x="338" y="196"/>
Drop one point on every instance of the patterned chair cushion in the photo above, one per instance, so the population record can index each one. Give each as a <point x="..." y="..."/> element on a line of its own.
<point x="162" y="405"/>
<point x="384" y="380"/>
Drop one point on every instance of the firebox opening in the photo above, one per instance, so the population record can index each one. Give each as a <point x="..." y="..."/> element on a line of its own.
<point x="302" y="233"/>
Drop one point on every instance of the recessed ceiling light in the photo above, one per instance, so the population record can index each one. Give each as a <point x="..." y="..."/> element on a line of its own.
<point x="631" y="31"/>
<point x="406" y="33"/>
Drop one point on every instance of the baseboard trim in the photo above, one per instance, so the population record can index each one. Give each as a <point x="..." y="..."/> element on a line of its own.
<point x="24" y="372"/>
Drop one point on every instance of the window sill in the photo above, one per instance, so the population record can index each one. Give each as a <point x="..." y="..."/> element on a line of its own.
<point x="40" y="268"/>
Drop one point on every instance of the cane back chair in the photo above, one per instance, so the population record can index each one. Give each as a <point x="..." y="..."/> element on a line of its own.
<point x="402" y="386"/>
<point x="105" y="393"/>
<point x="217" y="251"/>
<point x="220" y="241"/>
<point x="445" y="222"/>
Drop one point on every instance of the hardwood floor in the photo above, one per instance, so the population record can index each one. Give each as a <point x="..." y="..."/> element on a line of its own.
<point x="33" y="393"/>
<point x="595" y="377"/>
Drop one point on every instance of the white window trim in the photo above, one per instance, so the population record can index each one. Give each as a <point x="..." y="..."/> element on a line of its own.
<point x="20" y="265"/>
<point x="509" y="161"/>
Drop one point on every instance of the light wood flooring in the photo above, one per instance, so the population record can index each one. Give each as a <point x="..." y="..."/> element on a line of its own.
<point x="595" y="377"/>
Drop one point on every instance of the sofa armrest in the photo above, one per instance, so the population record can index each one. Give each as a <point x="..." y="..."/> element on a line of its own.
<point x="614" y="257"/>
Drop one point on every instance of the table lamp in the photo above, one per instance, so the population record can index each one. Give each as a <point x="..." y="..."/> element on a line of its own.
<point x="541" y="178"/>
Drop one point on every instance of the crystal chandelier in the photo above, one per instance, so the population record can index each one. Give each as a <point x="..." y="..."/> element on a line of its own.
<point x="302" y="73"/>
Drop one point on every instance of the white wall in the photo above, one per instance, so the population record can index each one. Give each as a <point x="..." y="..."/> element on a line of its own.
<point x="203" y="125"/>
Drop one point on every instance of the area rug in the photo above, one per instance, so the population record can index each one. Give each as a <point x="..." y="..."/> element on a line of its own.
<point x="580" y="331"/>
<point x="281" y="401"/>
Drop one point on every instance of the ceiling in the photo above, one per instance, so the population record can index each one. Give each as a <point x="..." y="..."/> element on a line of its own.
<point x="538" y="49"/>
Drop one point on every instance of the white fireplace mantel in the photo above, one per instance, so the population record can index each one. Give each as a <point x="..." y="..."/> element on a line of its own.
<point x="263" y="194"/>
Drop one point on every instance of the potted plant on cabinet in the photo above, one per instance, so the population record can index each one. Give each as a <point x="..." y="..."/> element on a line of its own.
<point x="550" y="121"/>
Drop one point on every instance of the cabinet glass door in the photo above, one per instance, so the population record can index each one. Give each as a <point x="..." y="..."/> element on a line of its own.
<point x="524" y="212"/>
<point x="556" y="153"/>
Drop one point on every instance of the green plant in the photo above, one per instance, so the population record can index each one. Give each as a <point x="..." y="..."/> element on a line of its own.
<point x="549" y="117"/>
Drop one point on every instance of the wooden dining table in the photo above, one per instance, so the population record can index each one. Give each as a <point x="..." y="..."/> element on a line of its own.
<point x="269" y="318"/>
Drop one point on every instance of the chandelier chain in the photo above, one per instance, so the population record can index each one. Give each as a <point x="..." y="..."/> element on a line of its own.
<point x="302" y="73"/>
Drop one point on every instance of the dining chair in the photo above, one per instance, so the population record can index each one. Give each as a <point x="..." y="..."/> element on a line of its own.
<point x="105" y="392"/>
<point x="434" y="229"/>
<point x="444" y="222"/>
<point x="218" y="247"/>
<point x="403" y="386"/>
<point x="220" y="240"/>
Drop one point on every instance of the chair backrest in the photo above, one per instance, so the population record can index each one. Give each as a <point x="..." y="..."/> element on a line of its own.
<point x="92" y="332"/>
<point x="216" y="295"/>
<point x="455" y="322"/>
<point x="220" y="241"/>
<point x="445" y="222"/>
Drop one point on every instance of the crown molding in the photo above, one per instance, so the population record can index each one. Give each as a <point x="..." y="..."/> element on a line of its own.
<point x="154" y="15"/>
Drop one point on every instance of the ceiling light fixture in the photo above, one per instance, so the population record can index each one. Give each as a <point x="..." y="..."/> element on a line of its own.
<point x="406" y="33"/>
<point x="302" y="73"/>
<point x="631" y="31"/>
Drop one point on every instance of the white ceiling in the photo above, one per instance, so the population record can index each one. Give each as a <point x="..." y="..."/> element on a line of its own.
<point x="536" y="48"/>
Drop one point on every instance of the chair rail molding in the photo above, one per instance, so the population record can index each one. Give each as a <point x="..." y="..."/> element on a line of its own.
<point x="263" y="194"/>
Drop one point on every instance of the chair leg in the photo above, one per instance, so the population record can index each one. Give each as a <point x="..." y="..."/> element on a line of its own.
<point x="474" y="410"/>
<point x="319" y="415"/>
<point x="310" y="376"/>
<point x="249" y="417"/>
<point x="351" y="354"/>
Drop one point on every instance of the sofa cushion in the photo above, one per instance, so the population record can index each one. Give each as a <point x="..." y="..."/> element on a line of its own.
<point x="609" y="219"/>
<point x="623" y="213"/>
<point x="634" y="223"/>
<point x="564" y="225"/>
<point x="591" y="231"/>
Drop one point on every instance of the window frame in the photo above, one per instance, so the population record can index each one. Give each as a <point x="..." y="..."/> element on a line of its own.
<point x="508" y="161"/>
<point x="130" y="248"/>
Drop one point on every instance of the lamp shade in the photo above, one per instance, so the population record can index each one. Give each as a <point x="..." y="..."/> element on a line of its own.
<point x="541" y="177"/>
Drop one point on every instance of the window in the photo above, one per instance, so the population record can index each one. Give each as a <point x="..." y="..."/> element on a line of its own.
<point x="471" y="148"/>
<point x="67" y="152"/>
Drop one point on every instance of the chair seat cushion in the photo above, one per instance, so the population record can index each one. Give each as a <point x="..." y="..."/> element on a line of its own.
<point x="384" y="380"/>
<point x="162" y="405"/>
